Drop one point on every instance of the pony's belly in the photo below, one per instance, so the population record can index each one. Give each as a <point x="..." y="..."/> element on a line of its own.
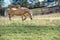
<point x="18" y="14"/>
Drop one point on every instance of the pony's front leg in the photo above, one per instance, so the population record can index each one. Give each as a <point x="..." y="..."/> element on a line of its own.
<point x="23" y="18"/>
<point x="30" y="15"/>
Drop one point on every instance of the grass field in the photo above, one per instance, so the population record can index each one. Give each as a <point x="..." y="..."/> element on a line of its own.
<point x="42" y="27"/>
<point x="36" y="29"/>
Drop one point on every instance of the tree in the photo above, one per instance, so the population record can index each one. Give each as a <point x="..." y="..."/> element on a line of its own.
<point x="59" y="2"/>
<point x="24" y="3"/>
<point x="1" y="3"/>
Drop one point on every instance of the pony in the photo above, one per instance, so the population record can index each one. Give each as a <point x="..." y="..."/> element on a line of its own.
<point x="19" y="11"/>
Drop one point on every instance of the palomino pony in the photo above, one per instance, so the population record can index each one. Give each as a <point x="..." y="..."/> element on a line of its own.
<point x="19" y="11"/>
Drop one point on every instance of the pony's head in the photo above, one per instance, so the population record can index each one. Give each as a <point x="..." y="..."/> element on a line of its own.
<point x="18" y="6"/>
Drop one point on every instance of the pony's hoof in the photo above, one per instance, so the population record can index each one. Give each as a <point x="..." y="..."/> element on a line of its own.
<point x="31" y="18"/>
<point x="22" y="20"/>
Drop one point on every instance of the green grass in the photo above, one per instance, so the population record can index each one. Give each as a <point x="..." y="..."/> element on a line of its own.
<point x="41" y="29"/>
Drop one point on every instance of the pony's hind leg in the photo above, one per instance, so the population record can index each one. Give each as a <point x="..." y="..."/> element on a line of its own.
<point x="10" y="17"/>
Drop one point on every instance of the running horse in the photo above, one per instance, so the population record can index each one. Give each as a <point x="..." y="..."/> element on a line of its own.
<point x="19" y="11"/>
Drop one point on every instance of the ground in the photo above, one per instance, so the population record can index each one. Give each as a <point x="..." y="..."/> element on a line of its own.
<point x="42" y="27"/>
